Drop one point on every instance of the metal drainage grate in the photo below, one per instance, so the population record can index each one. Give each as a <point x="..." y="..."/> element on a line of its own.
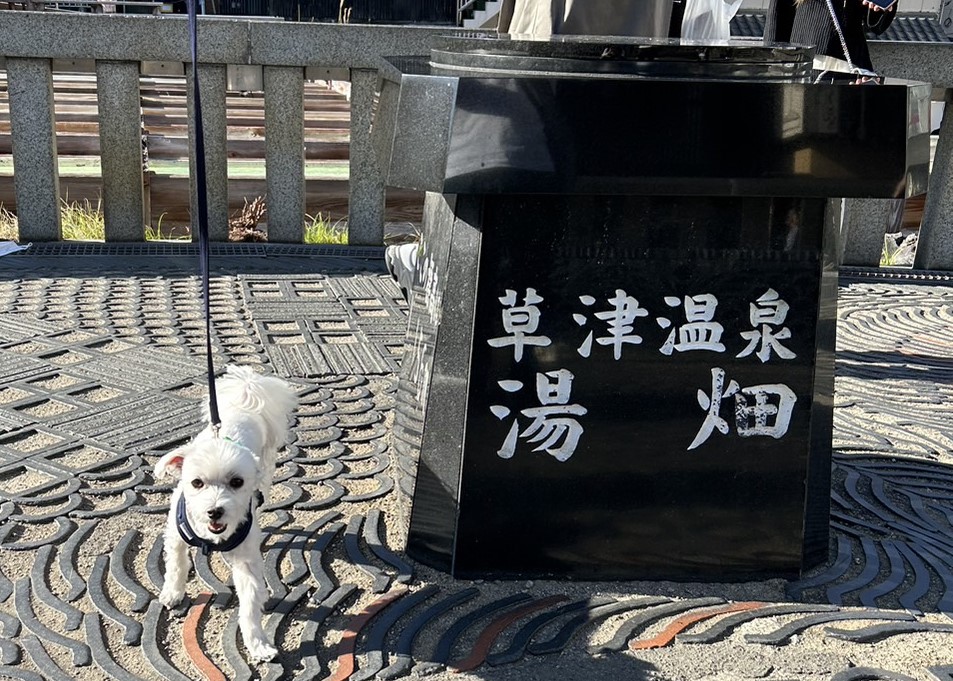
<point x="911" y="276"/>
<point x="153" y="249"/>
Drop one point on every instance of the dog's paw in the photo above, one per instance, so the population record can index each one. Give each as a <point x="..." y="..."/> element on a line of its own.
<point x="260" y="651"/>
<point x="170" y="597"/>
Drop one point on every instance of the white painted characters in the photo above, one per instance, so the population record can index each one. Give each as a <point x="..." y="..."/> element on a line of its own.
<point x="766" y="313"/>
<point x="619" y="321"/>
<point x="699" y="332"/>
<point x="520" y="323"/>
<point x="553" y="424"/>
<point x="759" y="410"/>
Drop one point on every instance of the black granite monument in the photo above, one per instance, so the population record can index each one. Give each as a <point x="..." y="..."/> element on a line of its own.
<point x="620" y="355"/>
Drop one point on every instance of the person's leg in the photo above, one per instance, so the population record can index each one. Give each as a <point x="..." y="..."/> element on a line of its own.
<point x="505" y="16"/>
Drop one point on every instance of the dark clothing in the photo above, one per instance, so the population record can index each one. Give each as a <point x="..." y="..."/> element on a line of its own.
<point x="810" y="24"/>
<point x="778" y="21"/>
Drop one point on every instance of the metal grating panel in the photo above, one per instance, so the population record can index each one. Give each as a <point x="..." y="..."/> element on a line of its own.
<point x="159" y="249"/>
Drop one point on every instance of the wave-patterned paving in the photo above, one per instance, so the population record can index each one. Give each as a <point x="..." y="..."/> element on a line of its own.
<point x="101" y="371"/>
<point x="892" y="495"/>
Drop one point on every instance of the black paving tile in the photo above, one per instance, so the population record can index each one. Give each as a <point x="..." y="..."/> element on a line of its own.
<point x="593" y="613"/>
<point x="73" y="617"/>
<point x="783" y="634"/>
<point x="80" y="651"/>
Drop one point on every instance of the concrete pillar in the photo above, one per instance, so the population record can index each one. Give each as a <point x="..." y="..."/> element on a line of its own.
<point x="284" y="152"/>
<point x="36" y="176"/>
<point x="862" y="231"/>
<point x="215" y="129"/>
<point x="935" y="244"/>
<point x="365" y="222"/>
<point x="120" y="142"/>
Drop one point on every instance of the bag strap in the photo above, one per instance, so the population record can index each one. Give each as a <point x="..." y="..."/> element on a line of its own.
<point x="840" y="36"/>
<point x="825" y="63"/>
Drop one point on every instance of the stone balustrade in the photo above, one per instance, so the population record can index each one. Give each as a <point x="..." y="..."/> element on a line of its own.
<point x="119" y="46"/>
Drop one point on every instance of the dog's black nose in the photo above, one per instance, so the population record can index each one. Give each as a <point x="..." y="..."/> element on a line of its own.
<point x="215" y="513"/>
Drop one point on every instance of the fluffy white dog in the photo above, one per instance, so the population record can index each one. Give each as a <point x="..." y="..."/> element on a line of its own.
<point x="223" y="479"/>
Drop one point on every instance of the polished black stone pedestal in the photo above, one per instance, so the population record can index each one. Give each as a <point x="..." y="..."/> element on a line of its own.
<point x="620" y="355"/>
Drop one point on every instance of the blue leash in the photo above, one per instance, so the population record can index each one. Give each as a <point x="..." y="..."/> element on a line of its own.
<point x="201" y="220"/>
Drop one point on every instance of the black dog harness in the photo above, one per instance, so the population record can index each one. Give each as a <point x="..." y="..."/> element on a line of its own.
<point x="189" y="537"/>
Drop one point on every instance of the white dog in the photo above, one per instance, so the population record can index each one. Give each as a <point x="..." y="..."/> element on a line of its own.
<point x="223" y="479"/>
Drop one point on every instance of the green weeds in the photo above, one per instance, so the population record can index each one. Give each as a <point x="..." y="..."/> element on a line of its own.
<point x="319" y="230"/>
<point x="81" y="221"/>
<point x="84" y="221"/>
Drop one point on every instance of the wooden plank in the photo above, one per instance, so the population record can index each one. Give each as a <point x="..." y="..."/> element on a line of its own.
<point x="164" y="147"/>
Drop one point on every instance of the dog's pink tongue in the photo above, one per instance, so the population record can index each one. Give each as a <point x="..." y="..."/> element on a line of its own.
<point x="216" y="527"/>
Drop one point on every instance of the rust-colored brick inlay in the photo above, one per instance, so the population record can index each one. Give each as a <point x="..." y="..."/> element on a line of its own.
<point x="487" y="637"/>
<point x="193" y="647"/>
<point x="677" y="626"/>
<point x="348" y="644"/>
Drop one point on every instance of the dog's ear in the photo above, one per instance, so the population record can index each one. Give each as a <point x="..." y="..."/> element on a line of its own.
<point x="170" y="465"/>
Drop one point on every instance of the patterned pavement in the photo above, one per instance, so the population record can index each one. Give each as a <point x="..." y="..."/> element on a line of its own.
<point x="101" y="372"/>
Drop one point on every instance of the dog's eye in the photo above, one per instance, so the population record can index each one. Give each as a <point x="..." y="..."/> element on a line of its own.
<point x="236" y="482"/>
<point x="198" y="484"/>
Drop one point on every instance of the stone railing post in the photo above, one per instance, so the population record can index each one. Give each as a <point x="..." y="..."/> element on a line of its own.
<point x="120" y="142"/>
<point x="36" y="180"/>
<point x="215" y="128"/>
<point x="284" y="152"/>
<point x="365" y="223"/>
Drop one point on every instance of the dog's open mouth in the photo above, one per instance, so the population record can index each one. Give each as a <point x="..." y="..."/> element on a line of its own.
<point x="217" y="528"/>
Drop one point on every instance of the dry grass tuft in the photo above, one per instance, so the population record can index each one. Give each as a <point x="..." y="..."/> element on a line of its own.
<point x="243" y="225"/>
<point x="8" y="225"/>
